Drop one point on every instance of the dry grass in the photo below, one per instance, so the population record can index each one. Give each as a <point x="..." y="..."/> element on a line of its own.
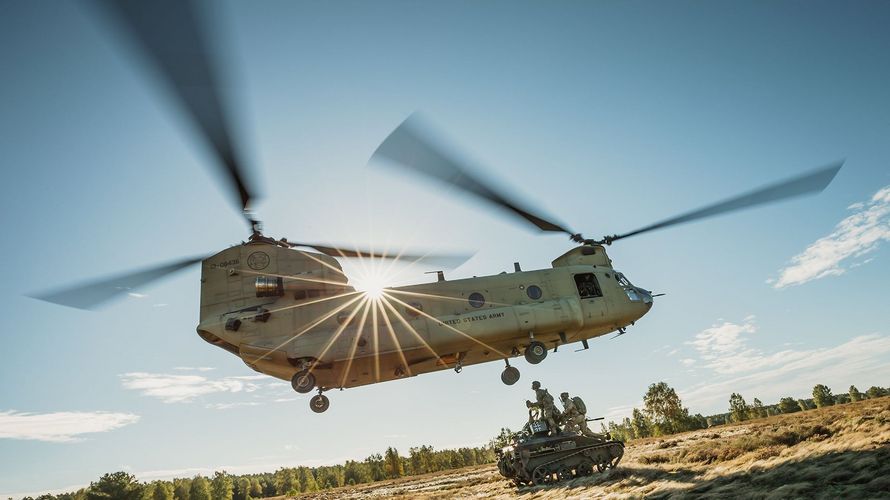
<point x="837" y="452"/>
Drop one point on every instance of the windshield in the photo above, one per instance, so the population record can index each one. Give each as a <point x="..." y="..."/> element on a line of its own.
<point x="622" y="280"/>
<point x="629" y="289"/>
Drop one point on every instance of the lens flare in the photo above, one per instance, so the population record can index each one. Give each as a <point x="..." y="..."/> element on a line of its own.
<point x="372" y="288"/>
<point x="372" y="281"/>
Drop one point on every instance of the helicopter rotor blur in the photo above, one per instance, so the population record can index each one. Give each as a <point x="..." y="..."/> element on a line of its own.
<point x="292" y="313"/>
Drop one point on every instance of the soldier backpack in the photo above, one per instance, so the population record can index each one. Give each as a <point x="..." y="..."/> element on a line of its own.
<point x="579" y="404"/>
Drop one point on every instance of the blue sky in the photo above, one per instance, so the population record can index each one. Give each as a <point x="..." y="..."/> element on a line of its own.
<point x="608" y="115"/>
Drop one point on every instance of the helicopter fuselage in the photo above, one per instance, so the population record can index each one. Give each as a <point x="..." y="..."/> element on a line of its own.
<point x="283" y="310"/>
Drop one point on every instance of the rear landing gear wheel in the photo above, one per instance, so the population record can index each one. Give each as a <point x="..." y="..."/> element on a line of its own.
<point x="510" y="375"/>
<point x="303" y="381"/>
<point x="535" y="352"/>
<point x="319" y="403"/>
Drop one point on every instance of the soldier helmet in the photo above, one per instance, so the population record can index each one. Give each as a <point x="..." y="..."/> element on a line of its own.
<point x="564" y="395"/>
<point x="536" y="385"/>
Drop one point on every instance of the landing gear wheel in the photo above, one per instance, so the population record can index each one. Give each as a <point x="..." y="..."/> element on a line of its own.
<point x="540" y="476"/>
<point x="564" y="474"/>
<point x="319" y="403"/>
<point x="585" y="468"/>
<point x="535" y="352"/>
<point x="510" y="375"/>
<point x="303" y="381"/>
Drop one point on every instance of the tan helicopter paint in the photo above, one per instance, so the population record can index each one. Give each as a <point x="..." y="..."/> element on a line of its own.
<point x="433" y="327"/>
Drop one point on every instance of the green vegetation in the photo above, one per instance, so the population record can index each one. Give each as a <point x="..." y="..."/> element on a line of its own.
<point x="822" y="396"/>
<point x="289" y="481"/>
<point x="663" y="412"/>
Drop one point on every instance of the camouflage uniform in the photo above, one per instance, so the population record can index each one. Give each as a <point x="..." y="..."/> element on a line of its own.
<point x="575" y="421"/>
<point x="544" y="401"/>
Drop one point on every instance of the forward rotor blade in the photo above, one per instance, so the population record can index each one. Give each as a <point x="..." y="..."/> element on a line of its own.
<point x="411" y="147"/>
<point x="92" y="294"/>
<point x="171" y="37"/>
<point x="449" y="261"/>
<point x="812" y="182"/>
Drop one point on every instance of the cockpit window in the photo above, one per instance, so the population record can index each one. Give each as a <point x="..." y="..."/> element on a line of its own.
<point x="587" y="286"/>
<point x="629" y="289"/>
<point x="622" y="280"/>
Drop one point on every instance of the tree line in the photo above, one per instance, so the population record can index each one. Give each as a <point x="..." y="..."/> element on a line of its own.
<point x="288" y="481"/>
<point x="663" y="412"/>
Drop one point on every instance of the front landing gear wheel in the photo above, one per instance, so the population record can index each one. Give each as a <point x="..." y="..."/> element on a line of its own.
<point x="303" y="382"/>
<point x="319" y="403"/>
<point x="535" y="352"/>
<point x="510" y="375"/>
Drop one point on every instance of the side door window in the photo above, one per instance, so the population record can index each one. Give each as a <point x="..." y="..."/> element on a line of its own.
<point x="588" y="286"/>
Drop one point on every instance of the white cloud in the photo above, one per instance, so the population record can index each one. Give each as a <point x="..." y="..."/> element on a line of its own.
<point x="855" y="236"/>
<point x="229" y="406"/>
<point x="60" y="427"/>
<point x="194" y="368"/>
<point x="738" y="367"/>
<point x="724" y="349"/>
<point x="860" y="360"/>
<point x="182" y="388"/>
<point x="617" y="413"/>
<point x="287" y="400"/>
<point x="687" y="362"/>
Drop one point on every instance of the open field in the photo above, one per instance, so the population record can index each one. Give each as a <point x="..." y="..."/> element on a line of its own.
<point x="836" y="452"/>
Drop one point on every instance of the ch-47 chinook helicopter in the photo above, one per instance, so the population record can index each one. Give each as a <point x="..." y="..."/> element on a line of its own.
<point x="292" y="314"/>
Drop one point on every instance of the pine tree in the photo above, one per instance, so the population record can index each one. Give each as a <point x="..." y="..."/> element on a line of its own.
<point x="117" y="485"/>
<point x="256" y="489"/>
<point x="221" y="486"/>
<point x="200" y="489"/>
<point x="788" y="405"/>
<point x="307" y="480"/>
<point x="181" y="488"/>
<point x="855" y="395"/>
<point x="738" y="407"/>
<point x="757" y="410"/>
<point x="393" y="463"/>
<point x="640" y="425"/>
<point x="875" y="392"/>
<point x="163" y="490"/>
<point x="822" y="396"/>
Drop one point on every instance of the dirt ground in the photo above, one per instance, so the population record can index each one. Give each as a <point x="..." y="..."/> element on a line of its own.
<point x="837" y="452"/>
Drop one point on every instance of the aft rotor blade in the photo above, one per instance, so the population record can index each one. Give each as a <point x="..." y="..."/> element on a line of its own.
<point x="92" y="294"/>
<point x="173" y="40"/>
<point x="449" y="261"/>
<point x="812" y="182"/>
<point x="412" y="147"/>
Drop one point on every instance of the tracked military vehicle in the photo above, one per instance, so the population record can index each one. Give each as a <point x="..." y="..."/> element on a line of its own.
<point x="538" y="458"/>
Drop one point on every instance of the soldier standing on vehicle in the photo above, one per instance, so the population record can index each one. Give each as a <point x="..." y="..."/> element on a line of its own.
<point x="574" y="416"/>
<point x="544" y="401"/>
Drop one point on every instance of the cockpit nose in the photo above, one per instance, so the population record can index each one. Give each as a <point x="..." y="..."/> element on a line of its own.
<point x="646" y="296"/>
